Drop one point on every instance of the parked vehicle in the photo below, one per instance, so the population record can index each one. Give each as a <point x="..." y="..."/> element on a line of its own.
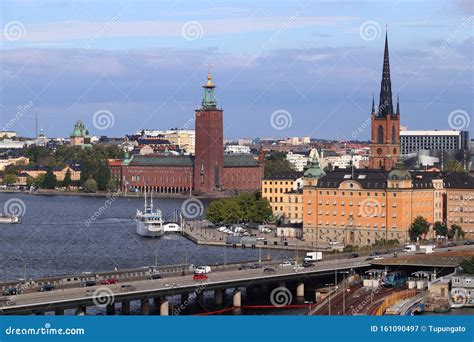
<point x="286" y="264"/>
<point x="313" y="256"/>
<point x="11" y="291"/>
<point x="200" y="276"/>
<point x="46" y="288"/>
<point x="153" y="277"/>
<point x="409" y="248"/>
<point x="109" y="281"/>
<point x="202" y="270"/>
<point x="89" y="283"/>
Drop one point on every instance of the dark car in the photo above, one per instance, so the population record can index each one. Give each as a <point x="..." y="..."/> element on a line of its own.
<point x="469" y="242"/>
<point x="369" y="258"/>
<point x="153" y="276"/>
<point x="255" y="266"/>
<point x="308" y="264"/>
<point x="46" y="287"/>
<point x="353" y="255"/>
<point x="12" y="291"/>
<point x="374" y="253"/>
<point x="451" y="244"/>
<point x="269" y="270"/>
<point x="89" y="283"/>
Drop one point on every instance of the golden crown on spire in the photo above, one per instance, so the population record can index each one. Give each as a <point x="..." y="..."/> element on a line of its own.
<point x="209" y="76"/>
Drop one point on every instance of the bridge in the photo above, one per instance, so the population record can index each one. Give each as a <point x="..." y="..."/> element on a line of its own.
<point x="79" y="298"/>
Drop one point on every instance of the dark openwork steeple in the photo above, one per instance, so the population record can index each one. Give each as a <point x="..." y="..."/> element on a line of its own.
<point x="373" y="103"/>
<point x="398" y="104"/>
<point x="385" y="104"/>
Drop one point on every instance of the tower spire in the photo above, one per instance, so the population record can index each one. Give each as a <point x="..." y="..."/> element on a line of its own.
<point x="385" y="104"/>
<point x="373" y="103"/>
<point x="209" y="100"/>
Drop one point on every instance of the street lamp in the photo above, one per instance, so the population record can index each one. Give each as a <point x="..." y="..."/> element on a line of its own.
<point x="344" y="292"/>
<point x="329" y="297"/>
<point x="310" y="306"/>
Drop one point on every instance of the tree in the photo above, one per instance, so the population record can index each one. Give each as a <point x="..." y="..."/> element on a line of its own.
<point x="440" y="229"/>
<point x="112" y="185"/>
<point x="456" y="232"/>
<point x="90" y="186"/>
<point x="67" y="181"/>
<point x="103" y="176"/>
<point x="277" y="163"/>
<point x="10" y="179"/>
<point x="418" y="228"/>
<point x="468" y="265"/>
<point x="214" y="211"/>
<point x="49" y="179"/>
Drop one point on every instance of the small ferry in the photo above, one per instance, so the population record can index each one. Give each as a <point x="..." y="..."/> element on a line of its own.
<point x="9" y="219"/>
<point x="149" y="221"/>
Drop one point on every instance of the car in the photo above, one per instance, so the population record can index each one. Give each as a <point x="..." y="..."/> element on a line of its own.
<point x="469" y="242"/>
<point x="46" y="288"/>
<point x="378" y="257"/>
<point x="353" y="255"/>
<point x="369" y="258"/>
<point x="109" y="281"/>
<point x="202" y="270"/>
<point x="308" y="264"/>
<point x="374" y="253"/>
<point x="11" y="291"/>
<point x="269" y="270"/>
<point x="200" y="276"/>
<point x="286" y="264"/>
<point x="451" y="244"/>
<point x="127" y="288"/>
<point x="89" y="283"/>
<point x="255" y="266"/>
<point x="153" y="277"/>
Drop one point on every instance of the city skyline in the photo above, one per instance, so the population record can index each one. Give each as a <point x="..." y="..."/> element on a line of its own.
<point x="318" y="64"/>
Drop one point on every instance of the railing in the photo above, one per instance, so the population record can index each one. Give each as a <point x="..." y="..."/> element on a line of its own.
<point x="392" y="299"/>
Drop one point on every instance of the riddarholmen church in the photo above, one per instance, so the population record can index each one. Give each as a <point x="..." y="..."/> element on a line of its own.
<point x="208" y="172"/>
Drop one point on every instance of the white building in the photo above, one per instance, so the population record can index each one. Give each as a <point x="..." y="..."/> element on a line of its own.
<point x="7" y="134"/>
<point x="298" y="160"/>
<point x="231" y="149"/>
<point x="9" y="144"/>
<point x="415" y="141"/>
<point x="344" y="161"/>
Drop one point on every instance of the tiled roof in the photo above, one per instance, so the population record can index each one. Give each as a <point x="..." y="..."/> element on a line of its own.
<point x="240" y="160"/>
<point x="150" y="160"/>
<point x="284" y="175"/>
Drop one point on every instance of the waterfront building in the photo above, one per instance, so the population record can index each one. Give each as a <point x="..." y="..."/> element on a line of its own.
<point x="460" y="202"/>
<point x="10" y="144"/>
<point x="13" y="161"/>
<point x="209" y="172"/>
<point x="385" y="128"/>
<point x="463" y="284"/>
<point x="59" y="172"/>
<point x="80" y="135"/>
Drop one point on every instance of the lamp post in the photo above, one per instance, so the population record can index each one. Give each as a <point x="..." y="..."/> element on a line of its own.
<point x="329" y="298"/>
<point x="344" y="292"/>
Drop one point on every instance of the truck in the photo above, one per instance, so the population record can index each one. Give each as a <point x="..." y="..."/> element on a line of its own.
<point x="409" y="248"/>
<point x="426" y="249"/>
<point x="313" y="256"/>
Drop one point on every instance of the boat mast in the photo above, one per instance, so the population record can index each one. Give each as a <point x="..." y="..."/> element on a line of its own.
<point x="151" y="200"/>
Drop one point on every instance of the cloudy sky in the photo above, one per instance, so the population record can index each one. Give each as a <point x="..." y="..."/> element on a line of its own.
<point x="282" y="68"/>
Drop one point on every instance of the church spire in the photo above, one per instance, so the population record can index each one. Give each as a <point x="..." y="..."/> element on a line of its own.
<point x="385" y="104"/>
<point x="373" y="103"/>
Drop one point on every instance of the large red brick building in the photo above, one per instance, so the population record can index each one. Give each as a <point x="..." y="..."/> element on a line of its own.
<point x="208" y="172"/>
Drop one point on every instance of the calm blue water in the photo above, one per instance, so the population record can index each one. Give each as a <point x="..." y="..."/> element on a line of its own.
<point x="53" y="238"/>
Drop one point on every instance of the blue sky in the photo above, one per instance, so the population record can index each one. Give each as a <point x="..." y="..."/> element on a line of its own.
<point x="317" y="61"/>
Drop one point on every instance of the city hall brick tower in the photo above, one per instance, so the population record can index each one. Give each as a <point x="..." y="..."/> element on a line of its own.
<point x="385" y="136"/>
<point x="209" y="145"/>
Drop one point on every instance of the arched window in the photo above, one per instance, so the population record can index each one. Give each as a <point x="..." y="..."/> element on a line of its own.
<point x="393" y="135"/>
<point x="380" y="135"/>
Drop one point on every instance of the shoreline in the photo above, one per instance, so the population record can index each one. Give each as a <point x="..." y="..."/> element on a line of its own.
<point x="106" y="194"/>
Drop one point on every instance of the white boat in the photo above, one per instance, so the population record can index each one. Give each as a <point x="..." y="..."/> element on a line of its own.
<point x="9" y="219"/>
<point x="149" y="223"/>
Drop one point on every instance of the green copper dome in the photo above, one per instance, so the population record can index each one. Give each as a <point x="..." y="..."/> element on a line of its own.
<point x="79" y="130"/>
<point x="313" y="169"/>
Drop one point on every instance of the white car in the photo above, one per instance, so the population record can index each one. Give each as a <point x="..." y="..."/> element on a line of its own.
<point x="202" y="270"/>
<point x="378" y="257"/>
<point x="286" y="264"/>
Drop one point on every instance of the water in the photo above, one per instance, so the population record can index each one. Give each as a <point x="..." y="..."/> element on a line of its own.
<point x="53" y="238"/>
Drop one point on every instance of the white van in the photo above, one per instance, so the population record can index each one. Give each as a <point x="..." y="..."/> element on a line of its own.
<point x="202" y="270"/>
